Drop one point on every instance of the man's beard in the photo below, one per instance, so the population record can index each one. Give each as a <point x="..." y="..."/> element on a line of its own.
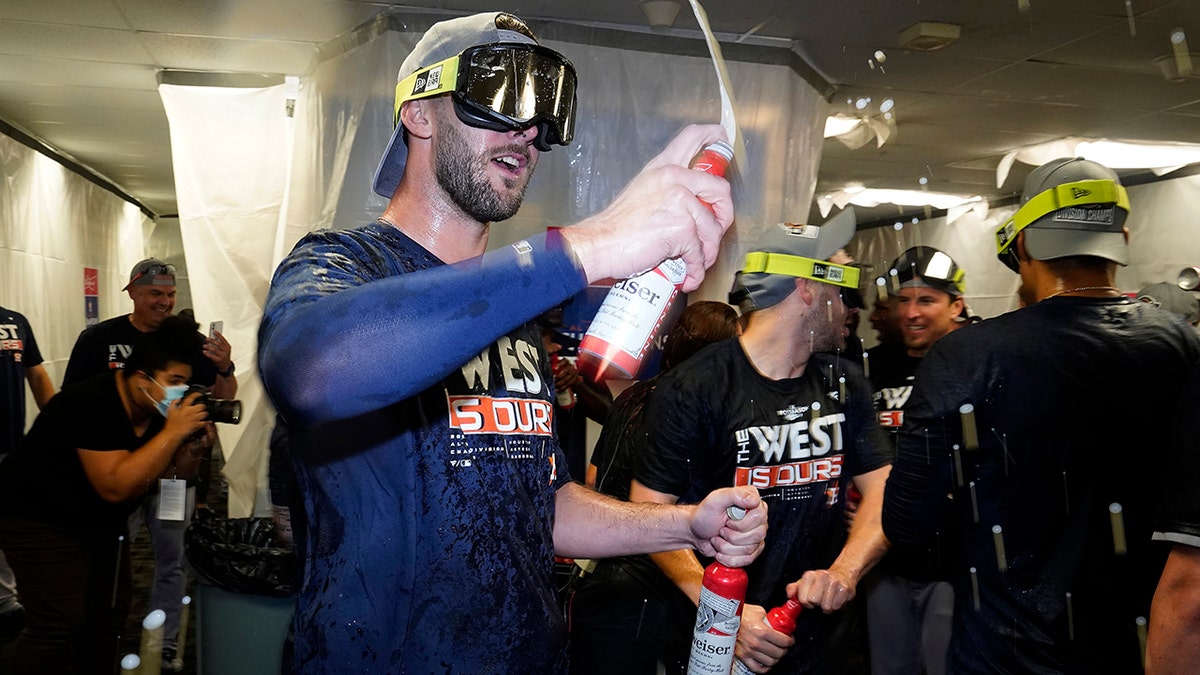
<point x="826" y="334"/>
<point x="462" y="176"/>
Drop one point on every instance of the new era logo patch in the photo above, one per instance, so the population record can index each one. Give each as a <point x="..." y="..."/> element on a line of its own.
<point x="429" y="81"/>
<point x="828" y="273"/>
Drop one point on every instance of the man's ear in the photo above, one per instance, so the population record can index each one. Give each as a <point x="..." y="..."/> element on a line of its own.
<point x="1019" y="247"/>
<point x="416" y="116"/>
<point x="805" y="290"/>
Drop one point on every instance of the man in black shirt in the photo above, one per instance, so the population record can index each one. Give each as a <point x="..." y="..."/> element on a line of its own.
<point x="909" y="608"/>
<point x="1025" y="420"/>
<point x="778" y="409"/>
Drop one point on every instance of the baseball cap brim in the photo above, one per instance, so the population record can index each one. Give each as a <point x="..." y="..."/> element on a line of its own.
<point x="391" y="165"/>
<point x="1047" y="244"/>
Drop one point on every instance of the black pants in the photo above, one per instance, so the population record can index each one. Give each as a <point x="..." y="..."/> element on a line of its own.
<point x="625" y="618"/>
<point x="76" y="591"/>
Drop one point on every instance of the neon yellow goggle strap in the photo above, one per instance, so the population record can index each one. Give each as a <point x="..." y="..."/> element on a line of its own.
<point x="440" y="78"/>
<point x="799" y="266"/>
<point x="1101" y="191"/>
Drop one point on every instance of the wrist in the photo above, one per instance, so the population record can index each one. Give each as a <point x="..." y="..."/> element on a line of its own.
<point x="227" y="372"/>
<point x="577" y="241"/>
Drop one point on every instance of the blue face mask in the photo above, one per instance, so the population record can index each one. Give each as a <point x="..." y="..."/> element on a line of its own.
<point x="171" y="394"/>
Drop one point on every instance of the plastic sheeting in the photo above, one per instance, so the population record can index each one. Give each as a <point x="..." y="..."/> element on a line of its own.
<point x="231" y="151"/>
<point x="54" y="223"/>
<point x="631" y="102"/>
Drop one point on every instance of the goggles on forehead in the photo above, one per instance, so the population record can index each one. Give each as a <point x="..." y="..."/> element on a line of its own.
<point x="936" y="269"/>
<point x="502" y="87"/>
<point x="1078" y="194"/>
<point x="845" y="276"/>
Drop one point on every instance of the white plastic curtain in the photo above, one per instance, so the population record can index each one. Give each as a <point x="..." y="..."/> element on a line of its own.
<point x="53" y="224"/>
<point x="231" y="156"/>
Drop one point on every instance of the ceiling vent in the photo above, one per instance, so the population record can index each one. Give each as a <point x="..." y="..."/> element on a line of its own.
<point x="927" y="36"/>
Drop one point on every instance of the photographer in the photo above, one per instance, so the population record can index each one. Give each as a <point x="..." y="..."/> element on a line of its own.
<point x="67" y="493"/>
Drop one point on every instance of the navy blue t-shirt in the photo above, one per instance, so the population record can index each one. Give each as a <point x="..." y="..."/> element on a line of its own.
<point x="419" y="404"/>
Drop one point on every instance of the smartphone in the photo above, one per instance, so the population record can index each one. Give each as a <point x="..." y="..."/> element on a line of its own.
<point x="216" y="327"/>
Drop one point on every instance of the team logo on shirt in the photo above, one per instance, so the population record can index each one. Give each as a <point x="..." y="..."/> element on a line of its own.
<point x="10" y="339"/>
<point x="519" y="366"/>
<point x="794" y="453"/>
<point x="487" y="415"/>
<point x="792" y="412"/>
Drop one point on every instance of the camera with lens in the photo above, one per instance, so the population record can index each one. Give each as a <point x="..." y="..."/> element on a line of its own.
<point x="223" y="410"/>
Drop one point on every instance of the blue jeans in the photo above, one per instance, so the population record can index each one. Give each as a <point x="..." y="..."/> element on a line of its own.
<point x="170" y="580"/>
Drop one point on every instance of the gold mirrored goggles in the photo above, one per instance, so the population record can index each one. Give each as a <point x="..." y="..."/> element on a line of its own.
<point x="502" y="87"/>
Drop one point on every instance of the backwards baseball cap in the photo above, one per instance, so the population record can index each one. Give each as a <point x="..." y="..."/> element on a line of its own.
<point x="498" y="76"/>
<point x="786" y="251"/>
<point x="1071" y="207"/>
<point x="1173" y="299"/>
<point x="927" y="266"/>
<point x="151" y="272"/>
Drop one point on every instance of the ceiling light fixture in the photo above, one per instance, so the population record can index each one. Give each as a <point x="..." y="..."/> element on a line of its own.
<point x="927" y="36"/>
<point x="836" y="125"/>
<point x="860" y="126"/>
<point x="1160" y="158"/>
<point x="954" y="205"/>
<point x="660" y="14"/>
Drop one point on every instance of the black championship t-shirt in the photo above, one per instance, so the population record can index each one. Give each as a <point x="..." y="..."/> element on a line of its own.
<point x="44" y="480"/>
<point x="892" y="375"/>
<point x="893" y="371"/>
<point x="714" y="421"/>
<point x="105" y="346"/>
<point x="18" y="351"/>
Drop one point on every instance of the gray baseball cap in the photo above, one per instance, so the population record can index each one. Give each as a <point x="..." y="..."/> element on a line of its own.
<point x="758" y="290"/>
<point x="151" y="272"/>
<point x="1091" y="229"/>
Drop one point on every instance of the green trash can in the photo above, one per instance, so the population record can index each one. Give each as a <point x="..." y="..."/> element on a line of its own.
<point x="240" y="632"/>
<point x="245" y="594"/>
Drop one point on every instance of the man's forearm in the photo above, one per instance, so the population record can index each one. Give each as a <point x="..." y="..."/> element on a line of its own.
<point x="684" y="569"/>
<point x="866" y="543"/>
<point x="591" y="525"/>
<point x="40" y="384"/>
<point x="1173" y="643"/>
<point x="225" y="387"/>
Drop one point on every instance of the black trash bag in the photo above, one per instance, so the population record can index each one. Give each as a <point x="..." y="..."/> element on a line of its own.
<point x="240" y="555"/>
